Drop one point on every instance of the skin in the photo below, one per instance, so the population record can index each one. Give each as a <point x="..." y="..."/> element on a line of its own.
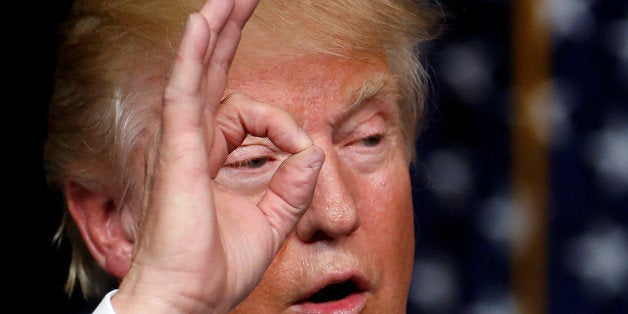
<point x="267" y="184"/>
<point x="362" y="202"/>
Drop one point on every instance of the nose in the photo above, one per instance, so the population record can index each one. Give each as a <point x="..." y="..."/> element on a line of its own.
<point x="333" y="211"/>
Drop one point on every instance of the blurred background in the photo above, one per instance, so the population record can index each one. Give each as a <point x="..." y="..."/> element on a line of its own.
<point x="521" y="185"/>
<point x="521" y="188"/>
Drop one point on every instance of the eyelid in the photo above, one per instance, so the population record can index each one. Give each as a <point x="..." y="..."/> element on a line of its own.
<point x="380" y="135"/>
<point x="375" y="117"/>
<point x="241" y="172"/>
<point x="382" y="100"/>
<point x="372" y="125"/>
<point x="252" y="151"/>
<point x="245" y="152"/>
<point x="240" y="164"/>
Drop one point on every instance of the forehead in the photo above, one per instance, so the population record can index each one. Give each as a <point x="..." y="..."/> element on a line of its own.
<point x="305" y="84"/>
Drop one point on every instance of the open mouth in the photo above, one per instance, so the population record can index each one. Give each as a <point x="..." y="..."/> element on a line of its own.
<point x="333" y="292"/>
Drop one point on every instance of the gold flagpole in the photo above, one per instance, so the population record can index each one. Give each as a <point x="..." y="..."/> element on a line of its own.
<point x="530" y="142"/>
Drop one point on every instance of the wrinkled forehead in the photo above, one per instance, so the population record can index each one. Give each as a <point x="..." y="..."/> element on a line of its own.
<point x="320" y="83"/>
<point x="301" y="75"/>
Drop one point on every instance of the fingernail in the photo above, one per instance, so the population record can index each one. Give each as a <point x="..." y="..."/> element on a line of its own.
<point x="316" y="158"/>
<point x="188" y="23"/>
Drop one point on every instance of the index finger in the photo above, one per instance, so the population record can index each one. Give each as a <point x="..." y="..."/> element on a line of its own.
<point x="243" y="10"/>
<point x="220" y="12"/>
<point x="240" y="115"/>
<point x="226" y="32"/>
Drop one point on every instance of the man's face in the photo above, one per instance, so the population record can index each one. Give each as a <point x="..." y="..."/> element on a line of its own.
<point x="353" y="249"/>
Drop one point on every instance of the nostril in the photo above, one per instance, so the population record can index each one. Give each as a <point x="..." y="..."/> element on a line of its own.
<point x="320" y="236"/>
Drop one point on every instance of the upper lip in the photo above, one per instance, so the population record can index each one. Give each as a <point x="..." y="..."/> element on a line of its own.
<point x="361" y="282"/>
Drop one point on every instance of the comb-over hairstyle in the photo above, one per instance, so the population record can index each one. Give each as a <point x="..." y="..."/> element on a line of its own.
<point x="113" y="62"/>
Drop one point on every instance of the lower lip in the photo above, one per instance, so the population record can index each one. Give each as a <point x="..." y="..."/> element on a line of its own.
<point x="353" y="303"/>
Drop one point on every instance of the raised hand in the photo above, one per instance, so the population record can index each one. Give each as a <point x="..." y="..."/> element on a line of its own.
<point x="202" y="247"/>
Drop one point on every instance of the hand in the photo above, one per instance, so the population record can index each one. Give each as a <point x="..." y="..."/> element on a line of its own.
<point x="202" y="247"/>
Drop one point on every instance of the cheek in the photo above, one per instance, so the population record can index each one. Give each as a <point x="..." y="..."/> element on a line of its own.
<point x="385" y="196"/>
<point x="388" y="204"/>
<point x="387" y="214"/>
<point x="388" y="224"/>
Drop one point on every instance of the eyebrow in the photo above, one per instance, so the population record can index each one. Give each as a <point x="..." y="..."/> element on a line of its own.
<point x="376" y="87"/>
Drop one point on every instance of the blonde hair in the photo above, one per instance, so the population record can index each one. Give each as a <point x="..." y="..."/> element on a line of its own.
<point x="113" y="61"/>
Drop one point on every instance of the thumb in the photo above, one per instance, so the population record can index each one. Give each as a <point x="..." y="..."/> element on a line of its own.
<point x="290" y="192"/>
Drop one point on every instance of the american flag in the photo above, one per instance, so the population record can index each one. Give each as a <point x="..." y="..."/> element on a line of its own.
<point x="521" y="184"/>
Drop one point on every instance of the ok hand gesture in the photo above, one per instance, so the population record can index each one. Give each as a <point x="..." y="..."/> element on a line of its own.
<point x="202" y="247"/>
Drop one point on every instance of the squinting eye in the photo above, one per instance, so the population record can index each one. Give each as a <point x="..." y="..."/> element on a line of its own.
<point x="373" y="140"/>
<point x="257" y="162"/>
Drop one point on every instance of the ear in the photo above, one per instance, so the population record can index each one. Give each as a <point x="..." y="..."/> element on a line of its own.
<point x="101" y="227"/>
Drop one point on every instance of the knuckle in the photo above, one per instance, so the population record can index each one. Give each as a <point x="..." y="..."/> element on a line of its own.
<point x="234" y="98"/>
<point x="174" y="94"/>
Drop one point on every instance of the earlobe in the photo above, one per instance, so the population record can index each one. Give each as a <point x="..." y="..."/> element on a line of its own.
<point x="101" y="226"/>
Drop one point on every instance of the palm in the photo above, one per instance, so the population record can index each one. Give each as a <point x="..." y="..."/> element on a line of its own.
<point x="202" y="246"/>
